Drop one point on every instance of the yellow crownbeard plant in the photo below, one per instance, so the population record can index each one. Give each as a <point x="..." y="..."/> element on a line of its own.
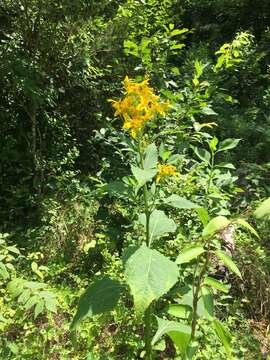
<point x="166" y="170"/>
<point x="139" y="106"/>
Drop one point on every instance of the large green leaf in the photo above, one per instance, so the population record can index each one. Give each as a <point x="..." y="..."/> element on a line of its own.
<point x="143" y="175"/>
<point x="179" y="333"/>
<point x="227" y="261"/>
<point x="223" y="335"/>
<point x="180" y="202"/>
<point x="243" y="223"/>
<point x="151" y="157"/>
<point x="228" y="144"/>
<point x="100" y="297"/>
<point x="189" y="253"/>
<point x="214" y="225"/>
<point x="263" y="209"/>
<point x="159" y="224"/>
<point x="149" y="275"/>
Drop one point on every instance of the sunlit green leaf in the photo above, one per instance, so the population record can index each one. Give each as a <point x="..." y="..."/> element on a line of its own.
<point x="215" y="224"/>
<point x="263" y="209"/>
<point x="227" y="261"/>
<point x="189" y="253"/>
<point x="149" y="275"/>
<point x="159" y="224"/>
<point x="218" y="285"/>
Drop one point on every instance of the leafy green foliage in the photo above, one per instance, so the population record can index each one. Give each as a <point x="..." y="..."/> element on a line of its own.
<point x="33" y="296"/>
<point x="71" y="205"/>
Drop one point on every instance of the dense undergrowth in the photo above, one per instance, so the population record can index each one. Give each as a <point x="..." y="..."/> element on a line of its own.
<point x="72" y="196"/>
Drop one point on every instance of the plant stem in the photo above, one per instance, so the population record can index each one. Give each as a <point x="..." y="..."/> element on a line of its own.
<point x="196" y="297"/>
<point x="148" y="312"/>
<point x="148" y="333"/>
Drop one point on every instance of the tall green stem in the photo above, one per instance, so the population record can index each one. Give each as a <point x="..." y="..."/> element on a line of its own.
<point x="148" y="312"/>
<point x="196" y="291"/>
<point x="197" y="286"/>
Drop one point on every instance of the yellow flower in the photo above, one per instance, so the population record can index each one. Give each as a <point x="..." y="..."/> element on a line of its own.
<point x="139" y="105"/>
<point x="166" y="170"/>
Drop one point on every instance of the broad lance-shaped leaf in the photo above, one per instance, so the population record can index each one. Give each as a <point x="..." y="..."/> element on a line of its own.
<point x="263" y="209"/>
<point x="189" y="253"/>
<point x="243" y="223"/>
<point x="151" y="157"/>
<point x="208" y="301"/>
<point x="149" y="275"/>
<point x="180" y="202"/>
<point x="203" y="215"/>
<point x="143" y="175"/>
<point x="159" y="224"/>
<point x="100" y="297"/>
<point x="179" y="333"/>
<point x="228" y="144"/>
<point x="214" y="225"/>
<point x="227" y="261"/>
<point x="224" y="335"/>
<point x="202" y="154"/>
<point x="218" y="285"/>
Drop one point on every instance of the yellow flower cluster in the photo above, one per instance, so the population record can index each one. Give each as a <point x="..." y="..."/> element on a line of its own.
<point x="139" y="105"/>
<point x="166" y="170"/>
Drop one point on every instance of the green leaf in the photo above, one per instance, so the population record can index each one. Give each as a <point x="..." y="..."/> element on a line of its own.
<point x="199" y="66"/>
<point x="149" y="275"/>
<point x="179" y="310"/>
<point x="31" y="302"/>
<point x="100" y="297"/>
<point x="203" y="215"/>
<point x="189" y="253"/>
<point x="247" y="226"/>
<point x="178" y="32"/>
<point x="227" y="261"/>
<point x="116" y="188"/>
<point x="159" y="224"/>
<point x="263" y="209"/>
<point x="15" y="287"/>
<point x="216" y="284"/>
<point x="223" y="335"/>
<point x="215" y="224"/>
<point x="213" y="144"/>
<point x="180" y="202"/>
<point x="24" y="296"/>
<point x="39" y="308"/>
<point x="208" y="301"/>
<point x="179" y="333"/>
<point x="208" y="111"/>
<point x="143" y="175"/>
<point x="3" y="271"/>
<point x="228" y="144"/>
<point x="226" y="165"/>
<point x="151" y="157"/>
<point x="202" y="154"/>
